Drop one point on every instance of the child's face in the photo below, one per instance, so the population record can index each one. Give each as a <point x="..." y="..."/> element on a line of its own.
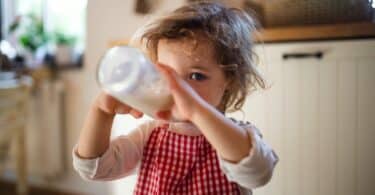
<point x="196" y="65"/>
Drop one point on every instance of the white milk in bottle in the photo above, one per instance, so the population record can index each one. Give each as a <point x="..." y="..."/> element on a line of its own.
<point x="126" y="74"/>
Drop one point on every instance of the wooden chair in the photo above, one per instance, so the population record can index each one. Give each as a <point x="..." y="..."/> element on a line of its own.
<point x="14" y="96"/>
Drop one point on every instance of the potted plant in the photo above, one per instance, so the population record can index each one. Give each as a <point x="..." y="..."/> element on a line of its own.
<point x="30" y="38"/>
<point x="64" y="53"/>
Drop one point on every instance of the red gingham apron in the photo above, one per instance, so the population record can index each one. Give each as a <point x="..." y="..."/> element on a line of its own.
<point x="180" y="164"/>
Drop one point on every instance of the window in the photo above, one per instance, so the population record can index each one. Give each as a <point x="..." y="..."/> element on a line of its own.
<point x="67" y="16"/>
<point x="60" y="18"/>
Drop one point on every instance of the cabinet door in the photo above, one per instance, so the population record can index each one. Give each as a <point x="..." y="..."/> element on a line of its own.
<point x="319" y="116"/>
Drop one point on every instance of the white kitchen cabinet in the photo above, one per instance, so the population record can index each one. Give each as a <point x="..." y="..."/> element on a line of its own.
<point x="319" y="116"/>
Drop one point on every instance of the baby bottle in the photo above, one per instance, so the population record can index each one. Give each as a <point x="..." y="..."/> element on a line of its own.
<point x="126" y="74"/>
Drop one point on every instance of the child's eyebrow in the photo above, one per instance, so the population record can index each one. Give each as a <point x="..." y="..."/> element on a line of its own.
<point x="199" y="67"/>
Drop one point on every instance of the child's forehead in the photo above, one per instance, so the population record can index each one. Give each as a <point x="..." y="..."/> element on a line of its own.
<point x="197" y="49"/>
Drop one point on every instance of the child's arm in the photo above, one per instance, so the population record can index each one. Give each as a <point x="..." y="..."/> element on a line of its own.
<point x="230" y="140"/>
<point x="120" y="159"/>
<point x="250" y="166"/>
<point x="257" y="167"/>
<point x="244" y="157"/>
<point x="95" y="134"/>
<point x="95" y="157"/>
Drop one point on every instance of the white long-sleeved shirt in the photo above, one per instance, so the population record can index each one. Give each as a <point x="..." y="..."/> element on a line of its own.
<point x="124" y="154"/>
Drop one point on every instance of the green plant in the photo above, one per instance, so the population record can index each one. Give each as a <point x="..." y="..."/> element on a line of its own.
<point x="64" y="39"/>
<point x="30" y="32"/>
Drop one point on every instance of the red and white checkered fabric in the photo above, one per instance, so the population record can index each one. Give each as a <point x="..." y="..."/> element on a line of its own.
<point x="180" y="164"/>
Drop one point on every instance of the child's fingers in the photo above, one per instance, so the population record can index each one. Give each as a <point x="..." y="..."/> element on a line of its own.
<point x="163" y="69"/>
<point x="122" y="109"/>
<point x="166" y="69"/>
<point x="135" y="113"/>
<point x="169" y="74"/>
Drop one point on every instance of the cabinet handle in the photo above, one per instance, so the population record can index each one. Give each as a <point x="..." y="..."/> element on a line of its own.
<point x="318" y="55"/>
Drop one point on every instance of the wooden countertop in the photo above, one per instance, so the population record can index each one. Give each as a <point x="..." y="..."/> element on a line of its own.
<point x="317" y="32"/>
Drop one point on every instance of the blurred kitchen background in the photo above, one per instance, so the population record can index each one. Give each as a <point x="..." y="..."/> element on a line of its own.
<point x="319" y="114"/>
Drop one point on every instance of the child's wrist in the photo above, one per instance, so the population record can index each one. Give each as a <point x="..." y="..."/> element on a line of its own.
<point x="200" y="109"/>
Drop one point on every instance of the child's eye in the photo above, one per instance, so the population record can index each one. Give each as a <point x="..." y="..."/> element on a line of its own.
<point x="197" y="76"/>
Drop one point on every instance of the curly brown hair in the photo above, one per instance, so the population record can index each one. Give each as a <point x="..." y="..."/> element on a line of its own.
<point x="228" y="29"/>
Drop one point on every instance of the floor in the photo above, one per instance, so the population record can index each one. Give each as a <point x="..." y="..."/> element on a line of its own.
<point x="8" y="188"/>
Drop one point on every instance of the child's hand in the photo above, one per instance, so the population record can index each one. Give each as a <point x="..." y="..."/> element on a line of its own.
<point x="186" y="100"/>
<point x="111" y="106"/>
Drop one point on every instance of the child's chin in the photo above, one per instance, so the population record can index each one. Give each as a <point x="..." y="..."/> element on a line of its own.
<point x="175" y="117"/>
<point x="171" y="116"/>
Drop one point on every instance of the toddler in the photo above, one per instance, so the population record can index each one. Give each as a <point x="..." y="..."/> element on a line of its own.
<point x="204" y="51"/>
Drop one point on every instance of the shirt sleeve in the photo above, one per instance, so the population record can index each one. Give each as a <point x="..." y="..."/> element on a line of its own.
<point x="256" y="169"/>
<point x="120" y="159"/>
